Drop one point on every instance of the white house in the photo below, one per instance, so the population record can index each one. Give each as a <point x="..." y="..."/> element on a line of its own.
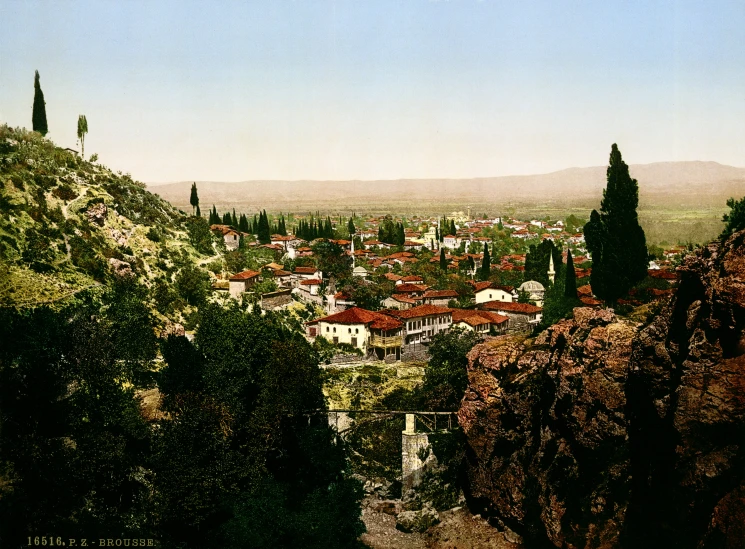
<point x="368" y="331"/>
<point x="506" y="294"/>
<point x="422" y="323"/>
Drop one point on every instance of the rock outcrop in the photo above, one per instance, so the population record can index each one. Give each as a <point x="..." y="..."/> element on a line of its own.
<point x="605" y="433"/>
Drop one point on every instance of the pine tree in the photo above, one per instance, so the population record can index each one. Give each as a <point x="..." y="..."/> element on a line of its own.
<point x="486" y="264"/>
<point x="443" y="260"/>
<point x="614" y="237"/>
<point x="570" y="281"/>
<point x="194" y="198"/>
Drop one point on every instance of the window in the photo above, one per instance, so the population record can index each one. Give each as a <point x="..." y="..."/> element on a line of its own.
<point x="327" y="328"/>
<point x="334" y="330"/>
<point x="349" y="330"/>
<point x="356" y="330"/>
<point x="489" y="296"/>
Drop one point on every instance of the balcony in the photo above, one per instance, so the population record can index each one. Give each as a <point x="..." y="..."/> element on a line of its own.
<point x="385" y="342"/>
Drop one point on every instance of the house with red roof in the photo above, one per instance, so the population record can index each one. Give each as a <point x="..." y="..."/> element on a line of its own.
<point x="494" y="292"/>
<point x="523" y="316"/>
<point x="242" y="281"/>
<point x="421" y="324"/>
<point x="369" y="331"/>
<point x="441" y="298"/>
<point x="401" y="302"/>
<point x="482" y="322"/>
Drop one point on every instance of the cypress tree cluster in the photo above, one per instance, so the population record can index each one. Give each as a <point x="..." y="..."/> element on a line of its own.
<point x="391" y="233"/>
<point x="614" y="237"/>
<point x="314" y="228"/>
<point x="448" y="228"/>
<point x="537" y="261"/>
<point x="39" y="113"/>
<point x="443" y="260"/>
<point x="262" y="230"/>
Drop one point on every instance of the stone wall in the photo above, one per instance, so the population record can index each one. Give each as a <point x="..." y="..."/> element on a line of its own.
<point x="274" y="300"/>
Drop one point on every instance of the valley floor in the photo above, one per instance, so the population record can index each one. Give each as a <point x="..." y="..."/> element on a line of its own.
<point x="458" y="529"/>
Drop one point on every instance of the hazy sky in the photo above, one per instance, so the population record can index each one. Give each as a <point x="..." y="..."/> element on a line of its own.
<point x="230" y="91"/>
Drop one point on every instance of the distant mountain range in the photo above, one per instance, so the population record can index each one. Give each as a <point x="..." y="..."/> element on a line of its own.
<point x="674" y="184"/>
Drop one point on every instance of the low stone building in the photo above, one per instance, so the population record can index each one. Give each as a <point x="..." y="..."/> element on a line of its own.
<point x="242" y="281"/>
<point x="523" y="316"/>
<point x="440" y="298"/>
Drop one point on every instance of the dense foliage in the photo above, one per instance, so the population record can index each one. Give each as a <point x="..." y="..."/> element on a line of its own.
<point x="228" y="459"/>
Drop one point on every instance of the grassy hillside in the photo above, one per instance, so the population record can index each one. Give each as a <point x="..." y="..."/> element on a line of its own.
<point x="66" y="223"/>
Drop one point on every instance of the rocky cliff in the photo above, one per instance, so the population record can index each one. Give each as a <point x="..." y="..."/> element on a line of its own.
<point x="602" y="432"/>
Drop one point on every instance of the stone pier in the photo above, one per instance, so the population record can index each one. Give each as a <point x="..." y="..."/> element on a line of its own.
<point x="412" y="443"/>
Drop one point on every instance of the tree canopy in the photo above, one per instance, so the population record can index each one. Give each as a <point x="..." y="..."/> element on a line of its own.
<point x="735" y="219"/>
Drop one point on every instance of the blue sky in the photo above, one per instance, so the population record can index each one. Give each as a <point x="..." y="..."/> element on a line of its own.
<point x="230" y="91"/>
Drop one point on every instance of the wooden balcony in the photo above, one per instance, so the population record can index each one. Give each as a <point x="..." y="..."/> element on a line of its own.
<point x="385" y="342"/>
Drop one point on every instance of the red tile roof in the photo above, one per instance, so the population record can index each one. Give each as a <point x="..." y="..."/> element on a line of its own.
<point x="245" y="275"/>
<point x="421" y="310"/>
<point x="392" y="276"/>
<point x="311" y="282"/>
<point x="474" y="318"/>
<point x="406" y="288"/>
<point x="660" y="273"/>
<point x="412" y="278"/>
<point x="525" y="308"/>
<point x="478" y="286"/>
<point x="355" y="315"/>
<point x="440" y="293"/>
<point x="305" y="270"/>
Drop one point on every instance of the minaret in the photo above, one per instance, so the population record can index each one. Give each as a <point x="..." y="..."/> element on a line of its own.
<point x="352" y="236"/>
<point x="551" y="272"/>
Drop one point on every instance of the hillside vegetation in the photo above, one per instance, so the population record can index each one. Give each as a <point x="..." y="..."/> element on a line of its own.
<point x="67" y="224"/>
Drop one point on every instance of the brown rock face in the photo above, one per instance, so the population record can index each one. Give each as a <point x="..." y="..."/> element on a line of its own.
<point x="602" y="433"/>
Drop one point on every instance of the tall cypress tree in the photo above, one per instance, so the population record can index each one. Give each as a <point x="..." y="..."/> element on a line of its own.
<point x="443" y="260"/>
<point x="614" y="237"/>
<point x="226" y="220"/>
<point x="570" y="280"/>
<point x="194" y="198"/>
<point x="39" y="113"/>
<point x="351" y="228"/>
<point x="199" y="213"/>
<point x="486" y="264"/>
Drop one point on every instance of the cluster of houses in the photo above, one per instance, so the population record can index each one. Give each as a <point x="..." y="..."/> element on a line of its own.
<point x="415" y="312"/>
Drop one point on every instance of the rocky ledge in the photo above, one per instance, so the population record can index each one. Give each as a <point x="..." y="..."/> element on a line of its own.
<point x="605" y="433"/>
